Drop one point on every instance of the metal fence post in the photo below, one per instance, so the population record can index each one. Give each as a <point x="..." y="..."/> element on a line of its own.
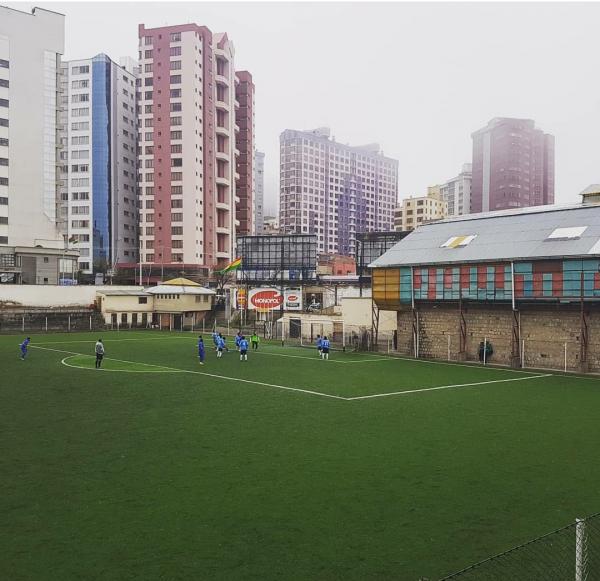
<point x="23" y="323"/>
<point x="580" y="550"/>
<point x="484" y="350"/>
<point x="69" y="322"/>
<point x="46" y="324"/>
<point x="448" y="347"/>
<point x="565" y="357"/>
<point x="90" y="322"/>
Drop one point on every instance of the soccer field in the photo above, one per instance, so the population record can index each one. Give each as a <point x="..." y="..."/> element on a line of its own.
<point x="281" y="467"/>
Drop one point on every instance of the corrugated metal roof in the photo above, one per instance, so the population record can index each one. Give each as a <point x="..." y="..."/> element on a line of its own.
<point x="164" y="289"/>
<point x="499" y="236"/>
<point x="123" y="293"/>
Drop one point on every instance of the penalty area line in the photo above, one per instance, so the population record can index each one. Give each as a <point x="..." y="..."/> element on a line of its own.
<point x="214" y="375"/>
<point x="455" y="385"/>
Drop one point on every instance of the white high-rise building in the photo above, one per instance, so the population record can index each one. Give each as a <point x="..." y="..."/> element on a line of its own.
<point x="259" y="197"/>
<point x="30" y="49"/>
<point x="457" y="192"/>
<point x="334" y="190"/>
<point x="98" y="167"/>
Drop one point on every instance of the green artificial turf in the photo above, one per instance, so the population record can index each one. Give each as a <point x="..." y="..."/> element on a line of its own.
<point x="160" y="468"/>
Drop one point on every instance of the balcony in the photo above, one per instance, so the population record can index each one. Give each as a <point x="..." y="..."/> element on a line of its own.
<point x="223" y="105"/>
<point x="222" y="155"/>
<point x="237" y="128"/>
<point x="223" y="206"/>
<point x="223" y="181"/>
<point x="223" y="230"/>
<point x="219" y="130"/>
<point x="222" y="79"/>
<point x="224" y="254"/>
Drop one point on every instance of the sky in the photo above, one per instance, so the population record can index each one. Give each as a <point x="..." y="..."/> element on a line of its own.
<point x="417" y="78"/>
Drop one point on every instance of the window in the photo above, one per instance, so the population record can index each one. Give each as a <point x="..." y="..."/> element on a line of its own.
<point x="149" y="257"/>
<point x="176" y="176"/>
<point x="80" y="223"/>
<point x="80" y="126"/>
<point x="4" y="161"/>
<point x="3" y="239"/>
<point x="150" y="231"/>
<point x="176" y="190"/>
<point x="4" y="83"/>
<point x="149" y="81"/>
<point x="80" y="154"/>
<point x="149" y="177"/>
<point x="176" y="162"/>
<point x="149" y="191"/>
<point x="149" y="204"/>
<point x="148" y="95"/>
<point x="177" y="258"/>
<point x="175" y="51"/>
<point x="175" y="93"/>
<point x="149" y="136"/>
<point x="147" y="108"/>
<point x="178" y="217"/>
<point x="3" y="122"/>
<point x="82" y="112"/>
<point x="82" y="70"/>
<point x="567" y="233"/>
<point x="149" y="149"/>
<point x="175" y="106"/>
<point x="3" y="102"/>
<point x="80" y="140"/>
<point x="4" y="141"/>
<point x="175" y="65"/>
<point x="81" y="98"/>
<point x="142" y="300"/>
<point x="176" y="135"/>
<point x="175" y="37"/>
<point x="147" y="40"/>
<point x="3" y="201"/>
<point x="176" y="203"/>
<point x="176" y="243"/>
<point x="3" y="64"/>
<point x="149" y="244"/>
<point x="175" y="79"/>
<point x="83" y="168"/>
<point x="80" y="210"/>
<point x="176" y="230"/>
<point x="3" y="220"/>
<point x="149" y="122"/>
<point x="148" y="68"/>
<point x="175" y="121"/>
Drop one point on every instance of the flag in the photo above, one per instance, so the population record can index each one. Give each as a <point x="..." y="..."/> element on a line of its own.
<point x="231" y="266"/>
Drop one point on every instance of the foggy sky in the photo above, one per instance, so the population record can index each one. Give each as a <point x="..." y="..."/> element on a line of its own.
<point x="417" y="78"/>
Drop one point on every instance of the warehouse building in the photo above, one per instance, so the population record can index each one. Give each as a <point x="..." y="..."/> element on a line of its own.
<point x="527" y="281"/>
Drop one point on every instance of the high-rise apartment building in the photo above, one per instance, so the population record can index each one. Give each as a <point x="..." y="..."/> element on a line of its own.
<point x="457" y="192"/>
<point x="98" y="167"/>
<point x="259" y="194"/>
<point x="333" y="190"/>
<point x="513" y="166"/>
<point x="245" y="185"/>
<point x="30" y="49"/>
<point x="187" y="146"/>
<point x="416" y="211"/>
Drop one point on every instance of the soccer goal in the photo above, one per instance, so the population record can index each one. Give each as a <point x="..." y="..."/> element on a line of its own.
<point x="303" y="332"/>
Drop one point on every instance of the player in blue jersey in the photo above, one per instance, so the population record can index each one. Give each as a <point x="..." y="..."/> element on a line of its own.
<point x="243" y="348"/>
<point x="215" y="338"/>
<point x="220" y="346"/>
<point x="238" y="339"/>
<point x="201" y="352"/>
<point x="24" y="347"/>
<point x="319" y="344"/>
<point x="325" y="348"/>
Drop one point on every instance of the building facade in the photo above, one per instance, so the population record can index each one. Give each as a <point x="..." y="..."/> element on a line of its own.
<point x="259" y="193"/>
<point x="457" y="192"/>
<point x="416" y="211"/>
<point x="30" y="49"/>
<point x="513" y="166"/>
<point x="333" y="190"/>
<point x="245" y="184"/>
<point x="187" y="146"/>
<point x="98" y="162"/>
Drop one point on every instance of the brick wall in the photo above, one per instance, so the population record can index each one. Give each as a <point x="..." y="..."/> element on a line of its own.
<point x="545" y="330"/>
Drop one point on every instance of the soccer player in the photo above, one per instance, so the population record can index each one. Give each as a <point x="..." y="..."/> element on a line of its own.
<point x="220" y="346"/>
<point x="319" y="345"/>
<point x="24" y="346"/>
<point x="215" y="338"/>
<point x="243" y="349"/>
<point x="238" y="338"/>
<point x="255" y="340"/>
<point x="325" y="348"/>
<point x="201" y="352"/>
<point x="99" y="349"/>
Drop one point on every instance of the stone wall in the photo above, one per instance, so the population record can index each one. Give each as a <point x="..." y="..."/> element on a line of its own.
<point x="545" y="330"/>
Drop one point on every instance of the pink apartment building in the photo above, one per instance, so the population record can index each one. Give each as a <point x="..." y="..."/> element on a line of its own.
<point x="187" y="148"/>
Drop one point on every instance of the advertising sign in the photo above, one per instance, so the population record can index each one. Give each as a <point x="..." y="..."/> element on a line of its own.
<point x="292" y="299"/>
<point x="264" y="299"/>
<point x="240" y="297"/>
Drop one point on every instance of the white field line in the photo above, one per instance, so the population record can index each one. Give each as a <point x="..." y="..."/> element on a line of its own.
<point x="285" y="387"/>
<point x="456" y="385"/>
<point x="64" y="362"/>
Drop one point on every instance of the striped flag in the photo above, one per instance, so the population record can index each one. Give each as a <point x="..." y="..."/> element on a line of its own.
<point x="231" y="266"/>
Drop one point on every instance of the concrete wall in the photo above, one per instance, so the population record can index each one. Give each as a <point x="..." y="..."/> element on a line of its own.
<point x="357" y="312"/>
<point x="54" y="296"/>
<point x="545" y="330"/>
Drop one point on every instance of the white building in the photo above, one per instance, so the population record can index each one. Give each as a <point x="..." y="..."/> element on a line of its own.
<point x="259" y="197"/>
<point x="98" y="167"/>
<point x="457" y="192"/>
<point x="334" y="190"/>
<point x="30" y="49"/>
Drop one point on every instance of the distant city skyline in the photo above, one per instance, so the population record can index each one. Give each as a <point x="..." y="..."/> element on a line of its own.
<point x="440" y="72"/>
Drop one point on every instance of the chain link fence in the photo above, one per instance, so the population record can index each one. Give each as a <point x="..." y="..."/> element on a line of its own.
<point x="40" y="321"/>
<point x="571" y="553"/>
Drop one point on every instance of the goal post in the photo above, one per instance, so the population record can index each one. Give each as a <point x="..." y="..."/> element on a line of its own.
<point x="302" y="331"/>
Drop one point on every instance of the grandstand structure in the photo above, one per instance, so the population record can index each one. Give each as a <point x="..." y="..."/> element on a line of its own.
<point x="528" y="281"/>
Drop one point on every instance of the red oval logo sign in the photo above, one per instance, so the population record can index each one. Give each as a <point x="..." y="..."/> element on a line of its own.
<point x="266" y="299"/>
<point x="292" y="298"/>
